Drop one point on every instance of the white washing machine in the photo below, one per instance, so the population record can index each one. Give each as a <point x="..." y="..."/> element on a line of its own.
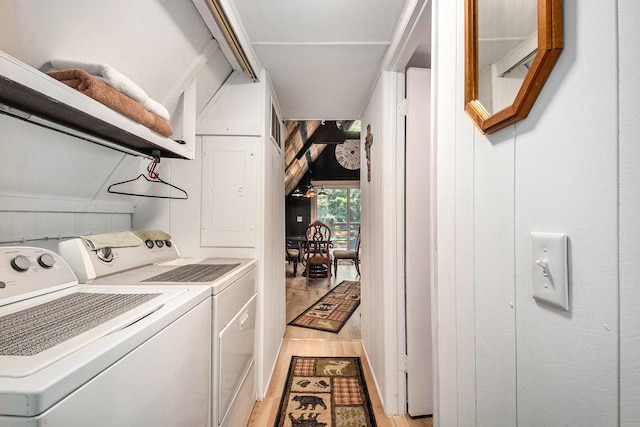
<point x="74" y="355"/>
<point x="232" y="284"/>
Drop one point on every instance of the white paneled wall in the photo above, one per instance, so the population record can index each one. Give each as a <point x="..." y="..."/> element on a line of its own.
<point x="372" y="244"/>
<point x="505" y="360"/>
<point x="567" y="180"/>
<point x="382" y="243"/>
<point x="54" y="186"/>
<point x="273" y="296"/>
<point x="46" y="229"/>
<point x="629" y="93"/>
<point x="42" y="164"/>
<point x="447" y="25"/>
<point x="493" y="208"/>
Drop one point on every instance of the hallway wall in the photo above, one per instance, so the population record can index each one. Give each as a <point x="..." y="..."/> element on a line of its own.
<point x="504" y="359"/>
<point x="629" y="223"/>
<point x="382" y="218"/>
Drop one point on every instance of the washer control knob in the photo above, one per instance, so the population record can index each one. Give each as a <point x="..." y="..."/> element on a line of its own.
<point x="159" y="243"/>
<point x="105" y="254"/>
<point x="168" y="243"/>
<point x="46" y="260"/>
<point x="3" y="285"/>
<point x="20" y="263"/>
<point x="149" y="243"/>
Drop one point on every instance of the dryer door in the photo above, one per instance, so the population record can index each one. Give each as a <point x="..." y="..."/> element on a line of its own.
<point x="237" y="343"/>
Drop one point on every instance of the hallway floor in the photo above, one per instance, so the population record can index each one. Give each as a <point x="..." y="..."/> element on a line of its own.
<point x="308" y="342"/>
<point x="301" y="295"/>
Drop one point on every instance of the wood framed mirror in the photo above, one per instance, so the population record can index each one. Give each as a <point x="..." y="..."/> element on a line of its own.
<point x="510" y="49"/>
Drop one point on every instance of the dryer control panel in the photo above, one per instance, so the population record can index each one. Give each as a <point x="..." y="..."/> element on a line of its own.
<point x="24" y="270"/>
<point x="88" y="263"/>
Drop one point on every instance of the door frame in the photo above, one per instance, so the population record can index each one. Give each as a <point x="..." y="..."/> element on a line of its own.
<point x="419" y="14"/>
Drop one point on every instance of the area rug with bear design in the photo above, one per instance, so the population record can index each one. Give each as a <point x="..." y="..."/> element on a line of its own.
<point x="325" y="392"/>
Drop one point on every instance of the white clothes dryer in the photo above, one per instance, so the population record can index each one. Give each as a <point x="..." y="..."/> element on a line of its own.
<point x="232" y="284"/>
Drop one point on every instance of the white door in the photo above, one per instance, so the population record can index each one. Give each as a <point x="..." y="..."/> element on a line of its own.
<point x="418" y="243"/>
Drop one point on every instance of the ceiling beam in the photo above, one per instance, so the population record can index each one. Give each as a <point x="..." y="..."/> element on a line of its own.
<point x="299" y="167"/>
<point x="298" y="134"/>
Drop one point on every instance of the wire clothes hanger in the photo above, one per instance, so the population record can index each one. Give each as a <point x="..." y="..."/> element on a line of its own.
<point x="153" y="177"/>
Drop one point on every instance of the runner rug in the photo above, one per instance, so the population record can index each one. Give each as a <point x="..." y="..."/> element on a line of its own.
<point x="325" y="392"/>
<point x="331" y="312"/>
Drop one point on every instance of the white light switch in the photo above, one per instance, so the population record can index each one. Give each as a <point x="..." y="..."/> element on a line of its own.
<point x="549" y="275"/>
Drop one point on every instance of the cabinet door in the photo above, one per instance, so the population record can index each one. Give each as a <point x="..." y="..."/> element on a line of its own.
<point x="228" y="191"/>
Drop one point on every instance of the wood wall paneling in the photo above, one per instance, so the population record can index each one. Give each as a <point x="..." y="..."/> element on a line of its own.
<point x="326" y="168"/>
<point x="295" y="207"/>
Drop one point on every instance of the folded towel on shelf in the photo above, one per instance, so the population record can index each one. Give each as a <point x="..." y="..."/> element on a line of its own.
<point x="120" y="239"/>
<point x="116" y="80"/>
<point x="152" y="234"/>
<point x="94" y="88"/>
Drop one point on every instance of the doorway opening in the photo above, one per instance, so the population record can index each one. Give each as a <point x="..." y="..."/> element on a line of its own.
<point x="322" y="182"/>
<point x="338" y="206"/>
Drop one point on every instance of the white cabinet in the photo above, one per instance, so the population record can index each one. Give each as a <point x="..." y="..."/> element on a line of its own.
<point x="229" y="191"/>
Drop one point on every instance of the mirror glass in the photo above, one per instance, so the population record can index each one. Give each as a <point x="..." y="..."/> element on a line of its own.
<point x="511" y="47"/>
<point x="507" y="43"/>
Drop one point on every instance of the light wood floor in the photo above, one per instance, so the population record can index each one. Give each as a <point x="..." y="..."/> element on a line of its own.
<point x="300" y="295"/>
<point x="307" y="342"/>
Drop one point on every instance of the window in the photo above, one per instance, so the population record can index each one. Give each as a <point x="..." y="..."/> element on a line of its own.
<point x="340" y="210"/>
<point x="275" y="127"/>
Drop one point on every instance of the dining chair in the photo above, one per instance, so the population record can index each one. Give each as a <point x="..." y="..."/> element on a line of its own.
<point x="317" y="254"/>
<point x="292" y="255"/>
<point x="354" y="256"/>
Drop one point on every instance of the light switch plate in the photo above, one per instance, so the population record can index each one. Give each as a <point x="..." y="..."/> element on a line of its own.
<point x="549" y="269"/>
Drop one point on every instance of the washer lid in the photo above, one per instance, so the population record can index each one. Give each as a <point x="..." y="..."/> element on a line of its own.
<point x="37" y="332"/>
<point x="194" y="273"/>
<point x="145" y="275"/>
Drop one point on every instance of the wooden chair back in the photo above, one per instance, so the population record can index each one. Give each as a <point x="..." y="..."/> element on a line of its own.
<point x="317" y="248"/>
<point x="318" y="239"/>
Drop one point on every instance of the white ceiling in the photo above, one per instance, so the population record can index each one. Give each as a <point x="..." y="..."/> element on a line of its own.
<point x="503" y="25"/>
<point x="323" y="56"/>
<point x="499" y="19"/>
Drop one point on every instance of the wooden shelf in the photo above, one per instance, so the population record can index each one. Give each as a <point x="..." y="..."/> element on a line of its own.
<point x="33" y="93"/>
